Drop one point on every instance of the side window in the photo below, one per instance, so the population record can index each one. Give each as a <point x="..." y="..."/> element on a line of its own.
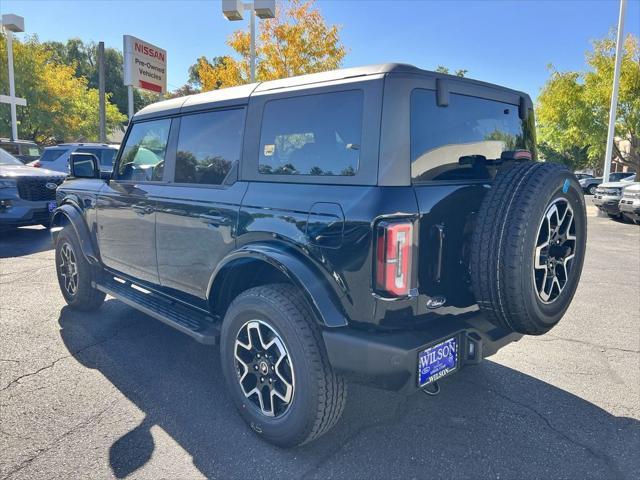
<point x="209" y="146"/>
<point x="312" y="135"/>
<point x="465" y="140"/>
<point x="105" y="156"/>
<point x="143" y="155"/>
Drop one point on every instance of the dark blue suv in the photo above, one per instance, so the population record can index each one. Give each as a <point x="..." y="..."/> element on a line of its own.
<point x="382" y="224"/>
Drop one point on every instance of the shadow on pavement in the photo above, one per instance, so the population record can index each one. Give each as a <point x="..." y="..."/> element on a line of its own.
<point x="489" y="420"/>
<point x="24" y="241"/>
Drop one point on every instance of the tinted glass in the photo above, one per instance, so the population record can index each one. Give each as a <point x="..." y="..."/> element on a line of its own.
<point x="50" y="155"/>
<point x="208" y="146"/>
<point x="464" y="140"/>
<point x="12" y="149"/>
<point x="312" y="135"/>
<point x="105" y="156"/>
<point x="143" y="155"/>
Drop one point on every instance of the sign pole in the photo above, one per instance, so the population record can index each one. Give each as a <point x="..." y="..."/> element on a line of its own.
<point x="614" y="94"/>
<point x="101" y="94"/>
<point x="130" y="96"/>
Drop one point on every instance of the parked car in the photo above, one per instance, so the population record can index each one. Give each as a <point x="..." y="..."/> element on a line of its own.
<point x="24" y="150"/>
<point x="372" y="224"/>
<point x="57" y="158"/>
<point x="630" y="202"/>
<point x="27" y="194"/>
<point x="582" y="176"/>
<point x="608" y="196"/>
<point x="589" y="185"/>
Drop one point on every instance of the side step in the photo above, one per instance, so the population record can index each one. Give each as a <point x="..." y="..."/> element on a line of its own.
<point x="192" y="321"/>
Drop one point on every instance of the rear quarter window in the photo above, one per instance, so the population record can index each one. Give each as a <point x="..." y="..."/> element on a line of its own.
<point x="51" y="155"/>
<point x="464" y="140"/>
<point x="315" y="135"/>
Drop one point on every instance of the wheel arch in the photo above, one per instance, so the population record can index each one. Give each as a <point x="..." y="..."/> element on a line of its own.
<point x="259" y="264"/>
<point x="68" y="214"/>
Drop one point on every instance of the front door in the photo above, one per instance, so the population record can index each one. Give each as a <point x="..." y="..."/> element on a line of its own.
<point x="197" y="213"/>
<point x="126" y="207"/>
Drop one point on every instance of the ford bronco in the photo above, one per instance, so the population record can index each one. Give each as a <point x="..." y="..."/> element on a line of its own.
<point x="382" y="224"/>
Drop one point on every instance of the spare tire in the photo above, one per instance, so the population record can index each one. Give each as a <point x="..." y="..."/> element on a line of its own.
<point x="528" y="246"/>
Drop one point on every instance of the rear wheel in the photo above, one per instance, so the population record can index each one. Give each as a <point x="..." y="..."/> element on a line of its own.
<point x="276" y="367"/>
<point x="75" y="274"/>
<point x="528" y="247"/>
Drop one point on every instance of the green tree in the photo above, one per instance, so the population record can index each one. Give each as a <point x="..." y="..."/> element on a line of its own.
<point x="458" y="73"/>
<point x="84" y="58"/>
<point x="60" y="105"/>
<point x="296" y="42"/>
<point x="573" y="108"/>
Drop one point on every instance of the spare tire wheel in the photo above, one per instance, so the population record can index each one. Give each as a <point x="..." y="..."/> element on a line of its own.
<point x="528" y="247"/>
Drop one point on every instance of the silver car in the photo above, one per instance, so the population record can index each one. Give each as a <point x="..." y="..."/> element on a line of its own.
<point x="630" y="203"/>
<point x="27" y="194"/>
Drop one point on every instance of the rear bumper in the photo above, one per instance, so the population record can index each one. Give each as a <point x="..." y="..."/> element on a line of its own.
<point x="390" y="360"/>
<point x="630" y="206"/>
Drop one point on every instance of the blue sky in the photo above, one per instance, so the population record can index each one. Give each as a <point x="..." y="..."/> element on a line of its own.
<point x="509" y="42"/>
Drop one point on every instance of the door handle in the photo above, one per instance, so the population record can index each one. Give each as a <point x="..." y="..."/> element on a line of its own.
<point x="143" y="209"/>
<point x="215" y="220"/>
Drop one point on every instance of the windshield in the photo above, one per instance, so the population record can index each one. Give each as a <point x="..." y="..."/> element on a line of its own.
<point x="7" y="159"/>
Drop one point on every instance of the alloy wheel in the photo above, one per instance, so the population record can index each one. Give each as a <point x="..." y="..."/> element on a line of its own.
<point x="555" y="250"/>
<point x="69" y="269"/>
<point x="264" y="368"/>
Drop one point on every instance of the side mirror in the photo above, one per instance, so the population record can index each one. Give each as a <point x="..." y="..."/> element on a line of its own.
<point x="84" y="165"/>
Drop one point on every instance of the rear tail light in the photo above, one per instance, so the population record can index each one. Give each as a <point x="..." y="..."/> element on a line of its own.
<point x="36" y="164"/>
<point x="394" y="250"/>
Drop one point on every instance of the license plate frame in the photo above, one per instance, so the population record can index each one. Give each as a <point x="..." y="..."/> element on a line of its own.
<point x="438" y="361"/>
<point x="51" y="206"/>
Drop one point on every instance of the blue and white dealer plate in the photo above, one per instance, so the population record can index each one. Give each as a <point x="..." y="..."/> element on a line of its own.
<point x="437" y="361"/>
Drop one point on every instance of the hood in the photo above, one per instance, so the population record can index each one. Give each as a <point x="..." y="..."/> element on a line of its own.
<point x="614" y="184"/>
<point x="14" y="171"/>
<point x="634" y="187"/>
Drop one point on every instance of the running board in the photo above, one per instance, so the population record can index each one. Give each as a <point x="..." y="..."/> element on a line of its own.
<point x="193" y="322"/>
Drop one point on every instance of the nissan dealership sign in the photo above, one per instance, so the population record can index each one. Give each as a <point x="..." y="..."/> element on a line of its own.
<point x="145" y="65"/>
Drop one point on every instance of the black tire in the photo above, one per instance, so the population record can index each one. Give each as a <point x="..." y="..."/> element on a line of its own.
<point x="319" y="394"/>
<point x="83" y="297"/>
<point x="592" y="189"/>
<point x="507" y="238"/>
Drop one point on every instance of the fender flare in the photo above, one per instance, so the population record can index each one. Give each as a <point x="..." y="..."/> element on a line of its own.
<point x="75" y="218"/>
<point x="319" y="296"/>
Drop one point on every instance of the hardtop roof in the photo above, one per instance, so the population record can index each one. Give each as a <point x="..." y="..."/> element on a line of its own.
<point x="230" y="96"/>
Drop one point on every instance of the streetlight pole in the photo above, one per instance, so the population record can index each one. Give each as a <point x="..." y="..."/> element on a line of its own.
<point x="12" y="23"/>
<point x="233" y="9"/>
<point x="614" y="94"/>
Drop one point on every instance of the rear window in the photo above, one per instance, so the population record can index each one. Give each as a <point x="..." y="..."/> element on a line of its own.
<point x="312" y="135"/>
<point x="463" y="141"/>
<point x="51" y="155"/>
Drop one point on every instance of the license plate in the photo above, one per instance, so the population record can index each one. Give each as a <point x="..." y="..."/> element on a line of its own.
<point x="51" y="206"/>
<point x="437" y="361"/>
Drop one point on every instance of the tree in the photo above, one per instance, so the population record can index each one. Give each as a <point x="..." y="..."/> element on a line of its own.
<point x="458" y="73"/>
<point x="296" y="42"/>
<point x="573" y="108"/>
<point x="60" y="105"/>
<point x="84" y="58"/>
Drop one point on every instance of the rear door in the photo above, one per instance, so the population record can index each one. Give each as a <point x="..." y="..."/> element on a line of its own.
<point x="197" y="212"/>
<point x="126" y="215"/>
<point x="455" y="150"/>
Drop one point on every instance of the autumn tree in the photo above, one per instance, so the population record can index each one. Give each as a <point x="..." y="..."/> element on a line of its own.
<point x="60" y="105"/>
<point x="295" y="42"/>
<point x="573" y="109"/>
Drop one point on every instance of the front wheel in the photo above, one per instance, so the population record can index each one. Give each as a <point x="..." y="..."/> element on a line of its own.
<point x="592" y="189"/>
<point x="75" y="274"/>
<point x="276" y="367"/>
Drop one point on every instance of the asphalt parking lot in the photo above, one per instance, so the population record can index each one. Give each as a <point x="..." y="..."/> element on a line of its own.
<point x="118" y="394"/>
